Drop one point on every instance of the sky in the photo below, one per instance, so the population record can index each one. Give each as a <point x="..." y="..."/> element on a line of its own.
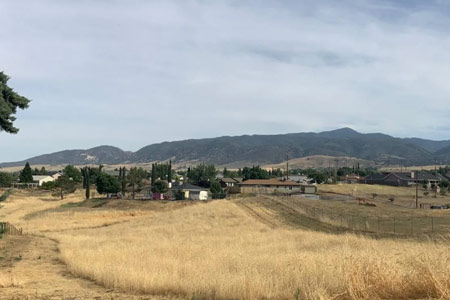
<point x="132" y="73"/>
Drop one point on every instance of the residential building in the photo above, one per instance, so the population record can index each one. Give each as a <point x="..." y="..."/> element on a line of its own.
<point x="402" y="178"/>
<point x="268" y="186"/>
<point x="190" y="191"/>
<point x="40" y="179"/>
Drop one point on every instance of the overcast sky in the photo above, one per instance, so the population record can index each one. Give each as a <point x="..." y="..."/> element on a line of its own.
<point x="132" y="73"/>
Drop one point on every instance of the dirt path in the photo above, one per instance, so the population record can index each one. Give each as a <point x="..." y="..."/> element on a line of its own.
<point x="30" y="269"/>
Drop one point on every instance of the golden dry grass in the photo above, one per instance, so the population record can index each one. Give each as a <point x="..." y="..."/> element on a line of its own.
<point x="366" y="190"/>
<point x="7" y="280"/>
<point x="216" y="250"/>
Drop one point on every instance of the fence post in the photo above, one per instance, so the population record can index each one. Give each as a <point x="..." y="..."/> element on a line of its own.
<point x="432" y="224"/>
<point x="365" y="224"/>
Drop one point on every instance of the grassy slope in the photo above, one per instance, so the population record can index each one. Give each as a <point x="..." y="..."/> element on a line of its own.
<point x="243" y="249"/>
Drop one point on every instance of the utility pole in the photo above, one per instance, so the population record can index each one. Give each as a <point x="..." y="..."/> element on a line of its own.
<point x="336" y="170"/>
<point x="435" y="167"/>
<point x="287" y="167"/>
<point x="417" y="189"/>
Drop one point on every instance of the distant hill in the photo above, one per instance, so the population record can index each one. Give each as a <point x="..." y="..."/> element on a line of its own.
<point x="97" y="155"/>
<point x="263" y="149"/>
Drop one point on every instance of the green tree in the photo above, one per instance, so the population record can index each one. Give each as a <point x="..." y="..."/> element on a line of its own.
<point x="153" y="174"/>
<point x="6" y="179"/>
<point x="444" y="184"/>
<point x="43" y="171"/>
<point x="216" y="189"/>
<point x="107" y="184"/>
<point x="64" y="185"/>
<point x="73" y="172"/>
<point x="35" y="172"/>
<point x="48" y="186"/>
<point x="255" y="172"/>
<point x="123" y="179"/>
<point x="202" y="175"/>
<point x="86" y="172"/>
<point x="135" y="180"/>
<point x="26" y="175"/>
<point x="169" y="172"/>
<point x="10" y="101"/>
<point x="159" y="187"/>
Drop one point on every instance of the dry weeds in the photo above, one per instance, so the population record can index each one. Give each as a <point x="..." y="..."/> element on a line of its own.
<point x="215" y="251"/>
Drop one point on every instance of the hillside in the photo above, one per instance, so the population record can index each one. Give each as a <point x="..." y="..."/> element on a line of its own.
<point x="263" y="149"/>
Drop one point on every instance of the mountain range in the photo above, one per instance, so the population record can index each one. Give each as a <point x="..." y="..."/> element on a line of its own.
<point x="243" y="150"/>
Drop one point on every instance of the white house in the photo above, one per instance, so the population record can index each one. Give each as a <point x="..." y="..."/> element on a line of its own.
<point x="192" y="192"/>
<point x="40" y="179"/>
<point x="56" y="175"/>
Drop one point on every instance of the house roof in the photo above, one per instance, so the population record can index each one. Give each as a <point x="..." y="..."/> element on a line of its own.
<point x="231" y="180"/>
<point x="403" y="176"/>
<point x="188" y="187"/>
<point x="40" y="177"/>
<point x="274" y="182"/>
<point x="376" y="176"/>
<point x="421" y="176"/>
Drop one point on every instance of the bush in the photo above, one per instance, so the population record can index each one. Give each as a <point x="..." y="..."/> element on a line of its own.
<point x="48" y="186"/>
<point x="179" y="195"/>
<point x="5" y="195"/>
<point x="392" y="199"/>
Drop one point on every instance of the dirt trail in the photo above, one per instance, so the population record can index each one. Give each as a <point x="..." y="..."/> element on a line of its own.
<point x="30" y="269"/>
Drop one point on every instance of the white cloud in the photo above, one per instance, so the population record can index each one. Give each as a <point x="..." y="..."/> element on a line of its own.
<point x="130" y="73"/>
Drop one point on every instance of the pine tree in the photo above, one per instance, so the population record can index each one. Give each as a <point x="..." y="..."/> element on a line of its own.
<point x="26" y="176"/>
<point x="9" y="102"/>
<point x="43" y="171"/>
<point x="225" y="172"/>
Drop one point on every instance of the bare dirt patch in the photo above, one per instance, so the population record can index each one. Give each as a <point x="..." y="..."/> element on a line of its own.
<point x="30" y="269"/>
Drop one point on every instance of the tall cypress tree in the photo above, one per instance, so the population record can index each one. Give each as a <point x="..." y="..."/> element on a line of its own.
<point x="26" y="175"/>
<point x="153" y="174"/>
<point x="87" y="172"/>
<point x="169" y="172"/>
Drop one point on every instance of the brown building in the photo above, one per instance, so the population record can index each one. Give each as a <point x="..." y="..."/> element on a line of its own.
<point x="268" y="186"/>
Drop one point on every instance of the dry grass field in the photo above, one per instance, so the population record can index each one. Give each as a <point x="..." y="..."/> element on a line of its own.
<point x="215" y="250"/>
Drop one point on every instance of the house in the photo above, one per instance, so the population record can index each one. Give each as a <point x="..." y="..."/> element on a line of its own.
<point x="229" y="181"/>
<point x="303" y="179"/>
<point x="190" y="191"/>
<point x="268" y="186"/>
<point x="351" y="178"/>
<point x="55" y="175"/>
<point x="40" y="179"/>
<point x="309" y="189"/>
<point x="401" y="178"/>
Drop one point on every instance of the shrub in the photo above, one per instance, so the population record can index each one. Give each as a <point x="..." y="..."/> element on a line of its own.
<point x="5" y="195"/>
<point x="48" y="186"/>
